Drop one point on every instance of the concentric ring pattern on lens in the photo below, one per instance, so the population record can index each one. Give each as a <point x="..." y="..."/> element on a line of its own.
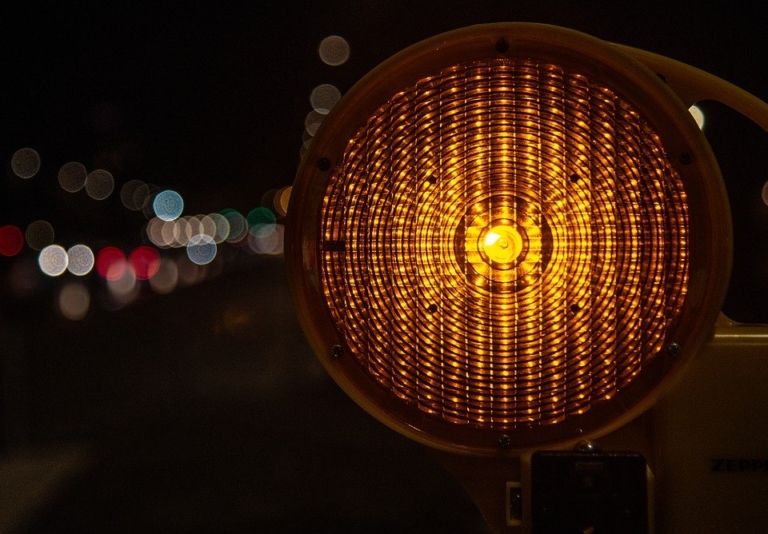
<point x="569" y="168"/>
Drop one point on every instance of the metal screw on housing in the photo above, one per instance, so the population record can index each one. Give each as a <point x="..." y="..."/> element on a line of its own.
<point x="674" y="349"/>
<point x="587" y="446"/>
<point x="324" y="164"/>
<point x="504" y="441"/>
<point x="337" y="351"/>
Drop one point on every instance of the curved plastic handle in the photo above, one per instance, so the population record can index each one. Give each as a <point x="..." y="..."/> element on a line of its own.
<point x="693" y="85"/>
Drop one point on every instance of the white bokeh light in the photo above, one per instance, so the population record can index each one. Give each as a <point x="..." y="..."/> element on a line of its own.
<point x="312" y="122"/>
<point x="166" y="278"/>
<point x="238" y="225"/>
<point x="39" y="234"/>
<point x="80" y="260"/>
<point x="72" y="176"/>
<point x="25" y="163"/>
<point x="74" y="301"/>
<point x="122" y="283"/>
<point x="698" y="116"/>
<point x="201" y="249"/>
<point x="134" y="194"/>
<point x="324" y="97"/>
<point x="222" y="227"/>
<point x="53" y="260"/>
<point x="268" y="243"/>
<point x="333" y="50"/>
<point x="99" y="184"/>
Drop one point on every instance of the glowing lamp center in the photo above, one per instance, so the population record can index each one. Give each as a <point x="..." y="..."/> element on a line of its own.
<point x="501" y="244"/>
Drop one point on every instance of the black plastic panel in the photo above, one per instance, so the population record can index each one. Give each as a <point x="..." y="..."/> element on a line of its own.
<point x="576" y="492"/>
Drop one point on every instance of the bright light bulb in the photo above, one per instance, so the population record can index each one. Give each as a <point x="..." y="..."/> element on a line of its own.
<point x="502" y="243"/>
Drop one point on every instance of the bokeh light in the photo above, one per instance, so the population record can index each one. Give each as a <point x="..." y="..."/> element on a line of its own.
<point x="144" y="195"/>
<point x="201" y="249"/>
<point x="145" y="262"/>
<point x="312" y="122"/>
<point x="99" y="184"/>
<point x="268" y="199"/>
<point x="163" y="234"/>
<point x="333" y="50"/>
<point x="11" y="240"/>
<point x="111" y="263"/>
<point x="74" y="301"/>
<point x="53" y="260"/>
<point x="238" y="225"/>
<point x="154" y="232"/>
<point x="268" y="243"/>
<point x="698" y="116"/>
<point x="166" y="278"/>
<point x="201" y="236"/>
<point x="222" y="227"/>
<point x="203" y="224"/>
<point x="168" y="205"/>
<point x="261" y="222"/>
<point x="39" y="234"/>
<point x="171" y="232"/>
<point x="282" y="197"/>
<point x="122" y="284"/>
<point x="324" y="97"/>
<point x="72" y="176"/>
<point x="134" y="194"/>
<point x="189" y="272"/>
<point x="81" y="260"/>
<point x="182" y="231"/>
<point x="25" y="163"/>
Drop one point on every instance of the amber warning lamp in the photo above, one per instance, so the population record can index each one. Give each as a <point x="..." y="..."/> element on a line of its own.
<point x="512" y="238"/>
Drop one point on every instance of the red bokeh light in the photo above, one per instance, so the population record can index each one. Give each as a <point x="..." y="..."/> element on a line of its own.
<point x="111" y="263"/>
<point x="145" y="262"/>
<point x="11" y="240"/>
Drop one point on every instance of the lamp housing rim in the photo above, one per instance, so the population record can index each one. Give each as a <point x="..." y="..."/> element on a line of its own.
<point x="710" y="226"/>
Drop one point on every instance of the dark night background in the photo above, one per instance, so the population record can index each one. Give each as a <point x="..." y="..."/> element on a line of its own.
<point x="204" y="410"/>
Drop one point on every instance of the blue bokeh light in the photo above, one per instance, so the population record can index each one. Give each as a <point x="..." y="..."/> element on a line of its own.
<point x="168" y="205"/>
<point x="201" y="249"/>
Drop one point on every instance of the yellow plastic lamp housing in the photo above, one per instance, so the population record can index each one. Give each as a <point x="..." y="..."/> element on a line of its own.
<point x="508" y="230"/>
